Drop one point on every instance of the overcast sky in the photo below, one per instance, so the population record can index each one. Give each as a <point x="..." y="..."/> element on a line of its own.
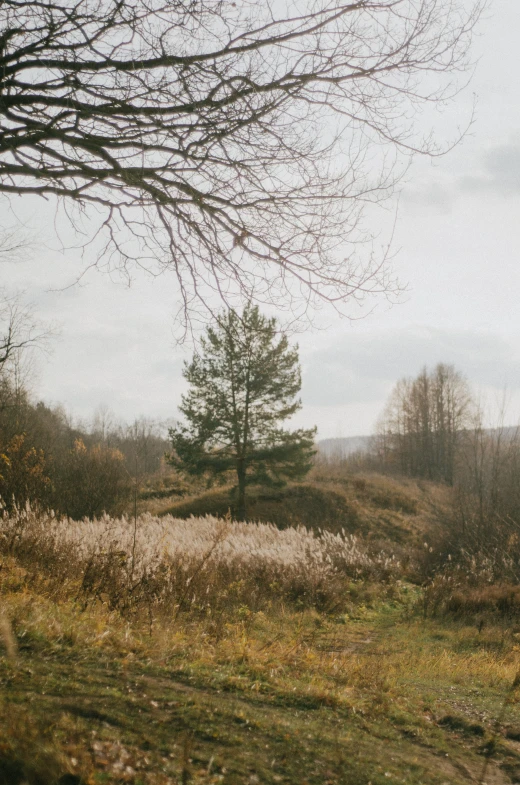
<point x="457" y="245"/>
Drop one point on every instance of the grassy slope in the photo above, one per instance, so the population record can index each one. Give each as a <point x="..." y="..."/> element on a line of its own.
<point x="371" y="505"/>
<point x="381" y="696"/>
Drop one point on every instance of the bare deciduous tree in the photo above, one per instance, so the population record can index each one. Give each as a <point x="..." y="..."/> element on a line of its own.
<point x="20" y="330"/>
<point x="422" y="425"/>
<point x="235" y="143"/>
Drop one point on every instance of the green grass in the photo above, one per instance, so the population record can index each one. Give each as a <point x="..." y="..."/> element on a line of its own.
<point x="379" y="696"/>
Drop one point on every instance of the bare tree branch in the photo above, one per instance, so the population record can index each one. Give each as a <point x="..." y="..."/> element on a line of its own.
<point x="20" y="331"/>
<point x="236" y="144"/>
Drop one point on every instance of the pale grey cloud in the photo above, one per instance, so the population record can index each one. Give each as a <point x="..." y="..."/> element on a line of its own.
<point x="498" y="171"/>
<point x="494" y="171"/>
<point x="430" y="193"/>
<point x="363" y="368"/>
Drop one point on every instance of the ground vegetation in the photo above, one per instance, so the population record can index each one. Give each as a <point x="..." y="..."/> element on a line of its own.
<point x="245" y="682"/>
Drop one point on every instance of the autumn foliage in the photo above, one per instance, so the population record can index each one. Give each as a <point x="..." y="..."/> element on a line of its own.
<point x="23" y="471"/>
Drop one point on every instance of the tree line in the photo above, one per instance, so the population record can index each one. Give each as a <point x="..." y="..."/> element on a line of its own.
<point x="79" y="470"/>
<point x="434" y="428"/>
<point x="423" y="424"/>
<point x="73" y="469"/>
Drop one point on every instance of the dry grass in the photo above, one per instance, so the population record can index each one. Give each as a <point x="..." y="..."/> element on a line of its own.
<point x="7" y="637"/>
<point x="202" y="565"/>
<point x="345" y="698"/>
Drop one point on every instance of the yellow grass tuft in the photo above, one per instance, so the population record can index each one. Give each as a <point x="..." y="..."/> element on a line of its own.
<point x="7" y="637"/>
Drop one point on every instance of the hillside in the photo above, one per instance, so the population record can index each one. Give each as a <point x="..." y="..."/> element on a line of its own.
<point x="370" y="505"/>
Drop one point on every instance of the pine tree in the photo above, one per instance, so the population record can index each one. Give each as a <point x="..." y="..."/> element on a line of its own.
<point x="243" y="385"/>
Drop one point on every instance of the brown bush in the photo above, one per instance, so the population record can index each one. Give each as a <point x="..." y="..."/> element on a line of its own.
<point x="449" y="593"/>
<point x="92" y="481"/>
<point x="23" y="473"/>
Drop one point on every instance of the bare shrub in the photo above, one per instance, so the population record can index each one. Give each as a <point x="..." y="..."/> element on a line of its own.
<point x="466" y="572"/>
<point x="199" y="565"/>
<point x="463" y="591"/>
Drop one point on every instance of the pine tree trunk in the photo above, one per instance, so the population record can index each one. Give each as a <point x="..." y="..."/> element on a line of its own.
<point x="241" y="472"/>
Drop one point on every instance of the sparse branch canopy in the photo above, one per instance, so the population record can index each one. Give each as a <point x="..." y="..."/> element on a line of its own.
<point x="243" y="385"/>
<point x="235" y="143"/>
